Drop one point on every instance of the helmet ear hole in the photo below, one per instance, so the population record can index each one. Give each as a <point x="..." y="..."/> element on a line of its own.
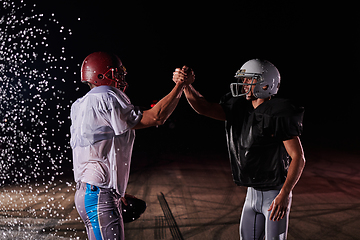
<point x="100" y="76"/>
<point x="265" y="87"/>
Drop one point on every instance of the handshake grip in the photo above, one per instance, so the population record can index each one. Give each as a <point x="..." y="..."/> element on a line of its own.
<point x="185" y="74"/>
<point x="187" y="70"/>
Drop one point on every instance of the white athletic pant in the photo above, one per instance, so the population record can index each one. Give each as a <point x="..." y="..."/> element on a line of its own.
<point x="255" y="220"/>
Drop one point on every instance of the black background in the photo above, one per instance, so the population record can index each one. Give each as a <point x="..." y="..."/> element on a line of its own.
<point x="314" y="46"/>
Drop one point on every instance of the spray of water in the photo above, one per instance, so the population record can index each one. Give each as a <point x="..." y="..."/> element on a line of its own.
<point x="30" y="93"/>
<point x="35" y="71"/>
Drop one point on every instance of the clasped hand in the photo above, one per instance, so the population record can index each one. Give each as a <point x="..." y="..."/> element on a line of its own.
<point x="185" y="74"/>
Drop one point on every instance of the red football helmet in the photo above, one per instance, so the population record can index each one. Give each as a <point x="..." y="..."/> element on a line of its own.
<point x="101" y="68"/>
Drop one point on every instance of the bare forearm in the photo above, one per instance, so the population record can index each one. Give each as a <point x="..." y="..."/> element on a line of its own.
<point x="202" y="106"/>
<point x="297" y="164"/>
<point x="164" y="108"/>
<point x="295" y="170"/>
<point x="195" y="99"/>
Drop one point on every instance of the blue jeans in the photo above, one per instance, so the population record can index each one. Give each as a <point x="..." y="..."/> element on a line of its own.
<point x="100" y="209"/>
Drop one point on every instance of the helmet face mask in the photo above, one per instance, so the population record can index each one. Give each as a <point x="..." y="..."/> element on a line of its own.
<point x="237" y="89"/>
<point x="116" y="75"/>
<point x="266" y="75"/>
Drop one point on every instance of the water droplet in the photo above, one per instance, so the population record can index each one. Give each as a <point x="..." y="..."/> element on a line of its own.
<point x="34" y="114"/>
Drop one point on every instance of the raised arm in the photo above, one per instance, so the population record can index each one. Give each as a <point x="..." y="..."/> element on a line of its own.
<point x="195" y="99"/>
<point x="202" y="106"/>
<point x="158" y="114"/>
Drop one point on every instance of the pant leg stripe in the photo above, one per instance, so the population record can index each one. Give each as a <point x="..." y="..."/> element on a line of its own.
<point x="91" y="207"/>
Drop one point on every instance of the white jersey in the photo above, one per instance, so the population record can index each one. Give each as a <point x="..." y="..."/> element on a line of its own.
<point x="102" y="137"/>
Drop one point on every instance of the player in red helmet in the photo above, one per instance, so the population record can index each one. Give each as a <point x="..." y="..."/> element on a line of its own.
<point x="103" y="124"/>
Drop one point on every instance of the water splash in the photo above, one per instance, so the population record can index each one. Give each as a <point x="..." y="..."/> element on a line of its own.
<point x="35" y="72"/>
<point x="33" y="106"/>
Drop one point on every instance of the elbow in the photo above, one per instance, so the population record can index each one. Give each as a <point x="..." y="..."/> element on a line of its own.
<point x="200" y="112"/>
<point x="301" y="161"/>
<point x="160" y="116"/>
<point x="298" y="161"/>
<point x="159" y="121"/>
<point x="151" y="118"/>
<point x="302" y="158"/>
<point x="201" y="109"/>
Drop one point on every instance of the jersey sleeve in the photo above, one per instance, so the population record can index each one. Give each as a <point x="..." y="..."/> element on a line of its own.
<point x="286" y="119"/>
<point x="123" y="116"/>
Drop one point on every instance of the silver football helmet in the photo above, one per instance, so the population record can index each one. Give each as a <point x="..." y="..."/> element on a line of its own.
<point x="267" y="79"/>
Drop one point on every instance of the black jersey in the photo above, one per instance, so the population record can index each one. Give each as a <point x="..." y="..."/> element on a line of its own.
<point x="255" y="139"/>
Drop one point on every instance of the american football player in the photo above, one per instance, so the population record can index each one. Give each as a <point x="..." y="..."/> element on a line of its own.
<point x="265" y="150"/>
<point x="103" y="124"/>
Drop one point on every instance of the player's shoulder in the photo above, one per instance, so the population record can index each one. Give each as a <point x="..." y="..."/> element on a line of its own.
<point x="110" y="94"/>
<point x="75" y="105"/>
<point x="101" y="90"/>
<point x="280" y="103"/>
<point x="282" y="107"/>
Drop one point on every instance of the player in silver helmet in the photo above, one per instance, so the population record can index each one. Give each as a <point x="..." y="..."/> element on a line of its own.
<point x="264" y="147"/>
